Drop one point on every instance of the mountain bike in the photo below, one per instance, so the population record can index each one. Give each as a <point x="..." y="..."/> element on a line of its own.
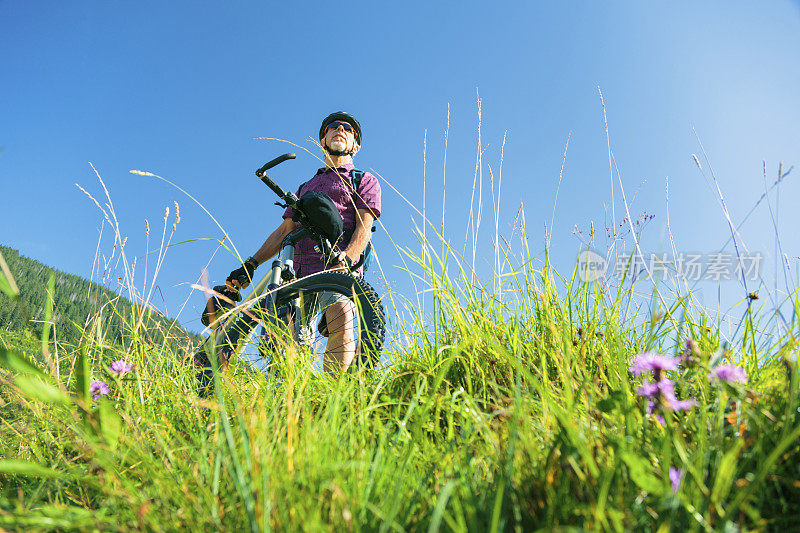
<point x="303" y="314"/>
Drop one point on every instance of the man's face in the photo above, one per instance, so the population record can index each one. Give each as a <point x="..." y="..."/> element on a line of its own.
<point x="340" y="140"/>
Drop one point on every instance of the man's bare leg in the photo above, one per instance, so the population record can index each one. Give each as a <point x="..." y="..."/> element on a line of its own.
<point x="341" y="347"/>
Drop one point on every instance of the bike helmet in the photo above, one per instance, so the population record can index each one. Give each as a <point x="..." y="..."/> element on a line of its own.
<point x="344" y="117"/>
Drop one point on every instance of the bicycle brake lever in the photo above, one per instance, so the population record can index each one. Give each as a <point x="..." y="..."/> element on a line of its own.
<point x="357" y="264"/>
<point x="351" y="267"/>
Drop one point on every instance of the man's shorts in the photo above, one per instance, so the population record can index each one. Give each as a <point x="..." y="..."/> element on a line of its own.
<point x="304" y="331"/>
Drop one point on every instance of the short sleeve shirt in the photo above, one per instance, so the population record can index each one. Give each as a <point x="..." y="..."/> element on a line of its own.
<point x="338" y="184"/>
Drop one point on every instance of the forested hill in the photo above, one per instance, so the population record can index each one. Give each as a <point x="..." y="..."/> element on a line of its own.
<point x="76" y="304"/>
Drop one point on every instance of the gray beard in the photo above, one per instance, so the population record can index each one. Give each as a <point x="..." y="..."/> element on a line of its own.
<point x="338" y="146"/>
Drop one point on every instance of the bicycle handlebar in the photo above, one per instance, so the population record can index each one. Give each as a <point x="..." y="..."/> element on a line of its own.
<point x="274" y="186"/>
<point x="289" y="198"/>
<point x="275" y="162"/>
<point x="262" y="174"/>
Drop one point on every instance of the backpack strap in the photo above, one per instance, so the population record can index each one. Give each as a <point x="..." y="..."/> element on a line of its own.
<point x="357" y="175"/>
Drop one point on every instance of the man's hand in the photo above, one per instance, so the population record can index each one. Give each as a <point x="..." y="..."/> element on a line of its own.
<point x="242" y="276"/>
<point x="219" y="303"/>
<point x="360" y="238"/>
<point x="343" y="262"/>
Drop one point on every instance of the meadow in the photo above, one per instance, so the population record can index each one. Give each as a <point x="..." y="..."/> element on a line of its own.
<point x="493" y="420"/>
<point x="535" y="401"/>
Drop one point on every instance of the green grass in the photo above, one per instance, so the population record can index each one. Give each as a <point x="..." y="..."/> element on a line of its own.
<point x="513" y="414"/>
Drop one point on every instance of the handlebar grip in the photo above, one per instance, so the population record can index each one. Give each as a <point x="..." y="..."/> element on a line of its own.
<point x="277" y="161"/>
<point x="262" y="174"/>
<point x="272" y="185"/>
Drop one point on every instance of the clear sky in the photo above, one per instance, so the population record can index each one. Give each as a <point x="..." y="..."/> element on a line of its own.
<point x="184" y="89"/>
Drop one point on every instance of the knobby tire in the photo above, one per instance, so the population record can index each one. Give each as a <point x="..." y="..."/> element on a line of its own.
<point x="372" y="328"/>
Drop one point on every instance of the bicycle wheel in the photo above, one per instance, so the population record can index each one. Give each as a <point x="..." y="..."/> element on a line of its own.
<point x="333" y="315"/>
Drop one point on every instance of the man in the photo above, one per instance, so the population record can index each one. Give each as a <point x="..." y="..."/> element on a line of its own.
<point x="340" y="139"/>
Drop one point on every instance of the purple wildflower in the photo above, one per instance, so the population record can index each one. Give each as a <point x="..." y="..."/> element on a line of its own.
<point x="647" y="390"/>
<point x="668" y="392"/>
<point x="664" y="389"/>
<point x="681" y="405"/>
<point x="729" y="373"/>
<point x="121" y="367"/>
<point x="651" y="407"/>
<point x="667" y="388"/>
<point x="675" y="477"/>
<point x="644" y="362"/>
<point x="98" y="389"/>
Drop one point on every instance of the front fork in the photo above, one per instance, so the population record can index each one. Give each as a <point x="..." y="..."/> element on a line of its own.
<point x="229" y="338"/>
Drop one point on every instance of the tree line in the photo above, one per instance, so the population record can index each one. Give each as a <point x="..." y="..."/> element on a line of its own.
<point x="80" y="308"/>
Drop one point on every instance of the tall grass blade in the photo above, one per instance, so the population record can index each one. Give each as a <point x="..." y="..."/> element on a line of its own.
<point x="26" y="468"/>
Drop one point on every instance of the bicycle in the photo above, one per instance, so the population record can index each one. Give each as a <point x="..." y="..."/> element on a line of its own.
<point x="283" y="302"/>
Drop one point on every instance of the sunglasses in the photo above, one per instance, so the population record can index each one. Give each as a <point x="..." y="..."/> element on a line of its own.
<point x="346" y="125"/>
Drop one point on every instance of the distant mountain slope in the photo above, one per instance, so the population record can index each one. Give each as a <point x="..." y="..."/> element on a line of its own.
<point x="75" y="300"/>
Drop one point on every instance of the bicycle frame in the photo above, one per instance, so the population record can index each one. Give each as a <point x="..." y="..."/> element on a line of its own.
<point x="237" y="323"/>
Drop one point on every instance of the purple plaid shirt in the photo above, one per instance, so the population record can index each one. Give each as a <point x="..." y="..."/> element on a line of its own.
<point x="338" y="184"/>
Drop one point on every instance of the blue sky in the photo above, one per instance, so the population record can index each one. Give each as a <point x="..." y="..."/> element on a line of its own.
<point x="183" y="89"/>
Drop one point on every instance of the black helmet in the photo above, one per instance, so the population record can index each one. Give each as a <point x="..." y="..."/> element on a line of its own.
<point x="344" y="117"/>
